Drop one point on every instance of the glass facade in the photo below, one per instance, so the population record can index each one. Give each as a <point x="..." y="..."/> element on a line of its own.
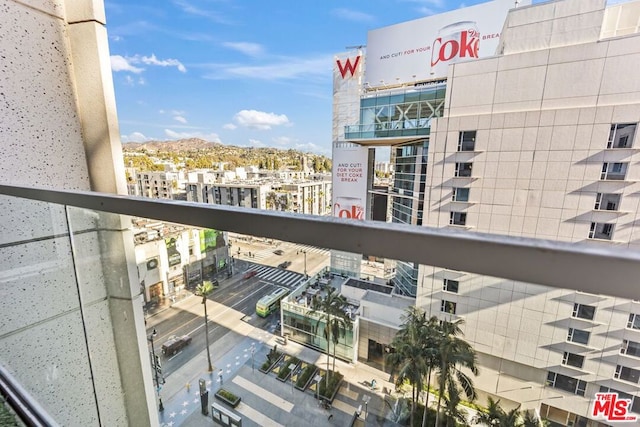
<point x="407" y="204"/>
<point x="407" y="113"/>
<point x="307" y="328"/>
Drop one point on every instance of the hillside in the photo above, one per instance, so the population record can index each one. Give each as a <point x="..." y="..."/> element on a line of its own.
<point x="195" y="153"/>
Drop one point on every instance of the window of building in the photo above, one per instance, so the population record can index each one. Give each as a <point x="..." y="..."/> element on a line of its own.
<point x="601" y="231"/>
<point x="460" y="194"/>
<point x="458" y="218"/>
<point x="450" y="285"/>
<point x="578" y="336"/>
<point x="627" y="374"/>
<point x="467" y="141"/>
<point x="572" y="359"/>
<point x="621" y="135"/>
<point x="635" y="406"/>
<point x="634" y="321"/>
<point x="566" y="383"/>
<point x="448" y="307"/>
<point x="630" y="348"/>
<point x="463" y="169"/>
<point x="607" y="202"/>
<point x="583" y="311"/>
<point x="614" y="171"/>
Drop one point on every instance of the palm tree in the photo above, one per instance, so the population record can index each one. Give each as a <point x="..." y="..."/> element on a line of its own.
<point x="494" y="415"/>
<point x="491" y="415"/>
<point x="408" y="361"/>
<point x="454" y="354"/>
<point x="331" y="312"/>
<point x="452" y="407"/>
<point x="530" y="420"/>
<point x="203" y="290"/>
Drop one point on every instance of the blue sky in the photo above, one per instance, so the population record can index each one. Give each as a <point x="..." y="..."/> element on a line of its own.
<point x="247" y="73"/>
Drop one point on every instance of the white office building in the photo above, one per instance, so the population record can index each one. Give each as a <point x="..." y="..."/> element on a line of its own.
<point x="539" y="140"/>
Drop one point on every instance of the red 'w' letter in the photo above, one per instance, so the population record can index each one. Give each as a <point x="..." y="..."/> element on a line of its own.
<point x="348" y="66"/>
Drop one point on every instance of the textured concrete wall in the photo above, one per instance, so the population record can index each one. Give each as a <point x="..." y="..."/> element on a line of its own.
<point x="71" y="326"/>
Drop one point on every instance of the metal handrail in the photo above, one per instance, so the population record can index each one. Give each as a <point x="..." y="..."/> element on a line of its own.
<point x="22" y="403"/>
<point x="588" y="268"/>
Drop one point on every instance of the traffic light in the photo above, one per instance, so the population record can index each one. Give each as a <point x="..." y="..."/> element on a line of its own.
<point x="158" y="365"/>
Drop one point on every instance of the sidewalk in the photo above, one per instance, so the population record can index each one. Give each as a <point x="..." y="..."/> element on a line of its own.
<point x="267" y="401"/>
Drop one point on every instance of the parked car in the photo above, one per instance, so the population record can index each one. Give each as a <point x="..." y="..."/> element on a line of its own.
<point x="174" y="344"/>
<point x="278" y="252"/>
<point x="249" y="274"/>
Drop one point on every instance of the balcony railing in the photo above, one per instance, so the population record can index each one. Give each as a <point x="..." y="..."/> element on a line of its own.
<point x="592" y="269"/>
<point x="392" y="129"/>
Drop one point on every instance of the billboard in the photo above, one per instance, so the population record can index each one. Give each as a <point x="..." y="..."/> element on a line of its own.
<point x="211" y="240"/>
<point x="349" y="180"/>
<point x="173" y="255"/>
<point x="423" y="49"/>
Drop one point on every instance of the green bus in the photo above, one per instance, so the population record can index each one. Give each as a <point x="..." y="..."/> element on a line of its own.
<point x="270" y="303"/>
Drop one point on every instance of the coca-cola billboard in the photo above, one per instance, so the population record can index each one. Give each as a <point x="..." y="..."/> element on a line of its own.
<point x="349" y="180"/>
<point x="424" y="48"/>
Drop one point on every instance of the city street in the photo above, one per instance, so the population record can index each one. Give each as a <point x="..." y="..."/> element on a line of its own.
<point x="239" y="341"/>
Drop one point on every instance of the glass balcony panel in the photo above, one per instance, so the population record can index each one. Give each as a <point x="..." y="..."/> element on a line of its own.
<point x="377" y="296"/>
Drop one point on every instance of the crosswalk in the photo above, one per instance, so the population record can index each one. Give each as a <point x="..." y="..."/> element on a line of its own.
<point x="278" y="275"/>
<point x="312" y="249"/>
<point x="268" y="252"/>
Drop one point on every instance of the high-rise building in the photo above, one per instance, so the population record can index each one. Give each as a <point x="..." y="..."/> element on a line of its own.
<point x="536" y="136"/>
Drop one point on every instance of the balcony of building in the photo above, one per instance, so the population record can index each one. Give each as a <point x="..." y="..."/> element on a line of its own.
<point x="93" y="219"/>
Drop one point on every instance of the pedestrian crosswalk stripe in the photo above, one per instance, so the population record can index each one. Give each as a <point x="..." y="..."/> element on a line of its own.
<point x="277" y="275"/>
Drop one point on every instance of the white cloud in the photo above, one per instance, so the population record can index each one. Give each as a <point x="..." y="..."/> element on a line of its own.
<point x="285" y="68"/>
<point x="282" y="140"/>
<point x="251" y="49"/>
<point x="310" y="147"/>
<point x="211" y="137"/>
<point x="426" y="11"/>
<point x="256" y="143"/>
<point x="152" y="60"/>
<point x="352" y="15"/>
<point x="130" y="81"/>
<point x="260" y="120"/>
<point x="180" y="119"/>
<point x="187" y="7"/>
<point x="230" y="126"/>
<point x="134" y="137"/>
<point x="120" y="63"/>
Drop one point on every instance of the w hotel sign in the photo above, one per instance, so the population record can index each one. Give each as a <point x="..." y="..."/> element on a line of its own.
<point x="347" y="67"/>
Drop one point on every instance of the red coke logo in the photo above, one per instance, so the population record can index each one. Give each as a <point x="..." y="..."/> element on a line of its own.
<point x="463" y="44"/>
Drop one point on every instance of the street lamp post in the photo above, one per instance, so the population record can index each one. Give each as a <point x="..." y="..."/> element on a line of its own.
<point x="305" y="263"/>
<point x="156" y="367"/>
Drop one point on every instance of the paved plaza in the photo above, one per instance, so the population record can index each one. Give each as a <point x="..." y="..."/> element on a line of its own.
<point x="267" y="401"/>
